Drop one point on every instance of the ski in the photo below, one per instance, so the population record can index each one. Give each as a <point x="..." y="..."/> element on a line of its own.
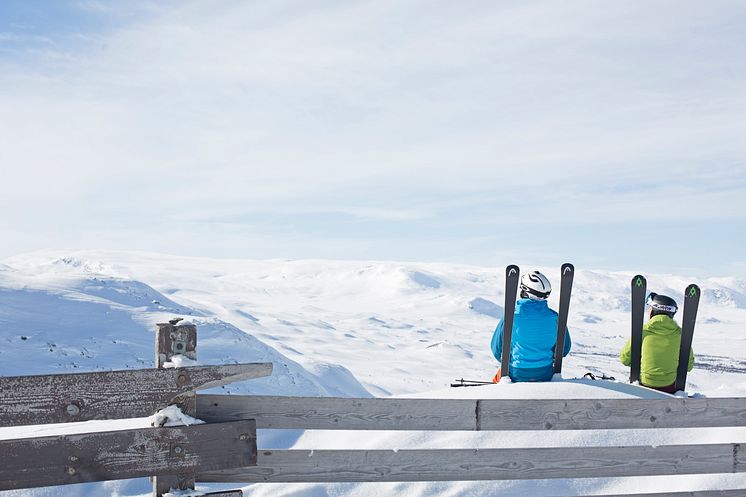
<point x="512" y="274"/>
<point x="691" y="304"/>
<point x="639" y="287"/>
<point x="469" y="383"/>
<point x="568" y="272"/>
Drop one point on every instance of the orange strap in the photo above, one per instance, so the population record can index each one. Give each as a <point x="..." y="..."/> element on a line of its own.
<point x="497" y="377"/>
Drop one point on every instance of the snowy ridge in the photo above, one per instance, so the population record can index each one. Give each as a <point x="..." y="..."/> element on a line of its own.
<point x="329" y="312"/>
<point x="85" y="321"/>
<point x="349" y="328"/>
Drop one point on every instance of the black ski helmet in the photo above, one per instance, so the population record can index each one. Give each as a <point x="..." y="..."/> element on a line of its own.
<point x="662" y="304"/>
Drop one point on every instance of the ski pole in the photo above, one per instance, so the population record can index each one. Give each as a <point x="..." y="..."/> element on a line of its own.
<point x="469" y="383"/>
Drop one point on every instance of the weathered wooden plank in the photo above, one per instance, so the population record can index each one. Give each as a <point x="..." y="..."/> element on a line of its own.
<point x="599" y="414"/>
<point x="224" y="493"/>
<point x="60" y="398"/>
<point x="481" y="464"/>
<point x="693" y="493"/>
<point x="340" y="413"/>
<point x="325" y="413"/>
<point x="228" y="493"/>
<point x="38" y="462"/>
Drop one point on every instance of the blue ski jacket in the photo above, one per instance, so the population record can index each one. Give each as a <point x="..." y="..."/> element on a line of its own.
<point x="533" y="341"/>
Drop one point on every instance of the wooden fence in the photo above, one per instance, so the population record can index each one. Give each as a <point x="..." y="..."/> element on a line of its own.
<point x="482" y="464"/>
<point x="224" y="449"/>
<point x="172" y="455"/>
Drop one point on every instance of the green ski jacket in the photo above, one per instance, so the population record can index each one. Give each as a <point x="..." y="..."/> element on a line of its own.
<point x="661" y="338"/>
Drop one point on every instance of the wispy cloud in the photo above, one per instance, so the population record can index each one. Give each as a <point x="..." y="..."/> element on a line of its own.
<point x="413" y="117"/>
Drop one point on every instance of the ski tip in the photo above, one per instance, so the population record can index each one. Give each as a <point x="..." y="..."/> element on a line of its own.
<point x="512" y="270"/>
<point x="692" y="291"/>
<point x="639" y="280"/>
<point x="567" y="268"/>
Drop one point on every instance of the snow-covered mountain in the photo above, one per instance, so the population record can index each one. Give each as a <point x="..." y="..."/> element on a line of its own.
<point x="342" y="328"/>
<point x="72" y="315"/>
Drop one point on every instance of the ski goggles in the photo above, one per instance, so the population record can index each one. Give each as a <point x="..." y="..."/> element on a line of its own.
<point x="660" y="307"/>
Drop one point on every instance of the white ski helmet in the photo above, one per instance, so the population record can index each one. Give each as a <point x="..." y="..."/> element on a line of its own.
<point x="535" y="286"/>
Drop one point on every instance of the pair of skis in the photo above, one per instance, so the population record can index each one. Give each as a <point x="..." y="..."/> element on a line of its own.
<point x="691" y="304"/>
<point x="512" y="277"/>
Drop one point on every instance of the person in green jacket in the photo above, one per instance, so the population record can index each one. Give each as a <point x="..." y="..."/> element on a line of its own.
<point x="661" y="337"/>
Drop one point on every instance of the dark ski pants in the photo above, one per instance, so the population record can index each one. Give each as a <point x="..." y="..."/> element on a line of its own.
<point x="667" y="389"/>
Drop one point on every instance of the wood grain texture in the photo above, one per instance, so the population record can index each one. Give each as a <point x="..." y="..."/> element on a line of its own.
<point x="599" y="414"/>
<point x="340" y="413"/>
<point x="326" y="413"/>
<point x="693" y="493"/>
<point x="39" y="462"/>
<point x="175" y="339"/>
<point x="482" y="464"/>
<point x="172" y="340"/>
<point x="61" y="398"/>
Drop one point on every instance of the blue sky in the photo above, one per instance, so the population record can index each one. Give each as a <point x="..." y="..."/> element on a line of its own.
<point x="47" y="18"/>
<point x="537" y="132"/>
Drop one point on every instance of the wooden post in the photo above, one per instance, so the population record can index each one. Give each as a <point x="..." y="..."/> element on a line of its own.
<point x="174" y="339"/>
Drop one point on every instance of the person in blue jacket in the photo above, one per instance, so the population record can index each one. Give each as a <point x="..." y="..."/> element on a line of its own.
<point x="534" y="332"/>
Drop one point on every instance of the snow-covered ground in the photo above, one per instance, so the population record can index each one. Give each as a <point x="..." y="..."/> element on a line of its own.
<point x="346" y="328"/>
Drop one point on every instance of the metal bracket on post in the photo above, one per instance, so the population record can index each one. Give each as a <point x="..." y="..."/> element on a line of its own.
<point x="174" y="339"/>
